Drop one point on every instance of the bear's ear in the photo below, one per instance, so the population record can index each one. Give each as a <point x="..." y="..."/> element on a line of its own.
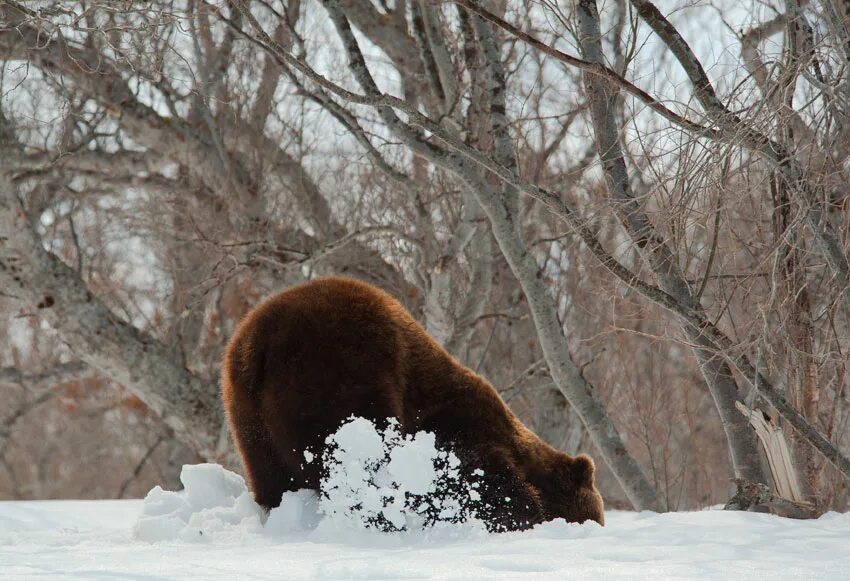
<point x="582" y="471"/>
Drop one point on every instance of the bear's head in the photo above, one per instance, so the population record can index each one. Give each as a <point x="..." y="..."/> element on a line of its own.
<point x="568" y="491"/>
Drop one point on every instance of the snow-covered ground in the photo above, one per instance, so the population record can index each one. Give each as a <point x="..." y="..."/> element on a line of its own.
<point x="212" y="529"/>
<point x="94" y="540"/>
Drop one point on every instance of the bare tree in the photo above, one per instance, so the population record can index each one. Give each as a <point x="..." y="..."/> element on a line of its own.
<point x="630" y="260"/>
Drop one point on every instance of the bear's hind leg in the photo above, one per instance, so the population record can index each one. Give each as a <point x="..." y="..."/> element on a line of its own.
<point x="268" y="475"/>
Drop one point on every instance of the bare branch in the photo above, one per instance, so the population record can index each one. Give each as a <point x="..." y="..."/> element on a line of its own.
<point x="566" y="374"/>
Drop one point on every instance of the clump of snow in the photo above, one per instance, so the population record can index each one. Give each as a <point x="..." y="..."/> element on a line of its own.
<point x="213" y="501"/>
<point x="393" y="482"/>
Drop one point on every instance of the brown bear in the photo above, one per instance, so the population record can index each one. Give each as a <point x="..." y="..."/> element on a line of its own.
<point x="313" y="355"/>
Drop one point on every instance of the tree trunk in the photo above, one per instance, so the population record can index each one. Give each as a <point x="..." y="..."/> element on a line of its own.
<point x="743" y="446"/>
<point x="154" y="373"/>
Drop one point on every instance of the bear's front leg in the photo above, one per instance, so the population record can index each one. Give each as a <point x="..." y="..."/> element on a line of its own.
<point x="508" y="501"/>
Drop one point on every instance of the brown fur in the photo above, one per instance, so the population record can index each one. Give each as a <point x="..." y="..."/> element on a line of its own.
<point x="308" y="358"/>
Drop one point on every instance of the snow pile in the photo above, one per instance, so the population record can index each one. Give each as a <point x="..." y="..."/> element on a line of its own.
<point x="373" y="478"/>
<point x="298" y="512"/>
<point x="384" y="480"/>
<point x="213" y="501"/>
